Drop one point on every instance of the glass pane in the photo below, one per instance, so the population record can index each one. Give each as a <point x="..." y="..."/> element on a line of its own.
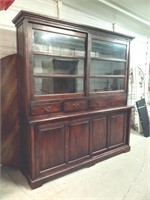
<point x="50" y="65"/>
<point x="58" y="85"/>
<point x="104" y="49"/>
<point x="99" y="67"/>
<point x="106" y="84"/>
<point x="58" y="44"/>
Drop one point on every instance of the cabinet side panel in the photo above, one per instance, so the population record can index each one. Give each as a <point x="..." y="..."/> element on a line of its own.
<point x="10" y="133"/>
<point x="79" y="140"/>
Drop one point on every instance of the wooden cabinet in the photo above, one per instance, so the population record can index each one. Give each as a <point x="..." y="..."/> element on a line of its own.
<point x="73" y="86"/>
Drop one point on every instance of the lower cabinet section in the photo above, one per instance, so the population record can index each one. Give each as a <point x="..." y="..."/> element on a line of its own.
<point x="58" y="146"/>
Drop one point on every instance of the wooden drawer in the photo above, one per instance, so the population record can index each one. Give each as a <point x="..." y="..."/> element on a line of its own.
<point x="46" y="108"/>
<point x="118" y="100"/>
<point x="99" y="103"/>
<point x="75" y="105"/>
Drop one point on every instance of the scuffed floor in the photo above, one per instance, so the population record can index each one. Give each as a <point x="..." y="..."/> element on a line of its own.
<point x="123" y="177"/>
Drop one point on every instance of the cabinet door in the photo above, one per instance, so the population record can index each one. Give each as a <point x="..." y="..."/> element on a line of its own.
<point x="79" y="138"/>
<point x="108" y="65"/>
<point x="99" y="134"/>
<point x="50" y="146"/>
<point x="58" y="61"/>
<point x="117" y="129"/>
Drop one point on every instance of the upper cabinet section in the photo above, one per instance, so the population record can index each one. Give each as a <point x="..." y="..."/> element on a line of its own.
<point x="60" y="59"/>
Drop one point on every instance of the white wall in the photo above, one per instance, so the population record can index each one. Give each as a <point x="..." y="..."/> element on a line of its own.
<point x="7" y="28"/>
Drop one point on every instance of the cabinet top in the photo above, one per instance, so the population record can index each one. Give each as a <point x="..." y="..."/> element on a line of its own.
<point x="46" y="20"/>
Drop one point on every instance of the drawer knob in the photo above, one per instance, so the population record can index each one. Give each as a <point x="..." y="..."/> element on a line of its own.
<point x="76" y="105"/>
<point x="47" y="109"/>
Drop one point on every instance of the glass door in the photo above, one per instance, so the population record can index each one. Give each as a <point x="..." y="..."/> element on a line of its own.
<point x="108" y="66"/>
<point x="58" y="62"/>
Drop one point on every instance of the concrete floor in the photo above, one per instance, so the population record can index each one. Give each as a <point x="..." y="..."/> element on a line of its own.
<point x="123" y="177"/>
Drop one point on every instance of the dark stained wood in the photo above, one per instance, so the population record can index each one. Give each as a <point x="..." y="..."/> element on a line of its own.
<point x="45" y="108"/>
<point x="35" y="17"/>
<point x="118" y="100"/>
<point x="75" y="105"/>
<point x="70" y="129"/>
<point x="79" y="140"/>
<point x="99" y="134"/>
<point x="65" y="146"/>
<point x="99" y="103"/>
<point x="117" y="129"/>
<point x="54" y="139"/>
<point x="10" y="135"/>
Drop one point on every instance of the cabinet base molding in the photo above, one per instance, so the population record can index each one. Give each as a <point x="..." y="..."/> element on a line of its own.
<point x="68" y="168"/>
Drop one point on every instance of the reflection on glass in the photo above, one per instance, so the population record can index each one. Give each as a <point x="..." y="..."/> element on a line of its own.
<point x="104" y="49"/>
<point x="58" y="44"/>
<point x="45" y="64"/>
<point x="68" y="67"/>
<point x="99" y="67"/>
<point x="106" y="84"/>
<point x="56" y="71"/>
<point x="58" y="85"/>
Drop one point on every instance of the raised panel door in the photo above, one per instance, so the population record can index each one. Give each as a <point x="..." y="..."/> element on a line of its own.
<point x="117" y="129"/>
<point x="99" y="134"/>
<point x="79" y="140"/>
<point x="51" y="146"/>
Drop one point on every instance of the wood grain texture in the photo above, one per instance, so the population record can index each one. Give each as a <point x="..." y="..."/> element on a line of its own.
<point x="66" y="130"/>
<point x="10" y="137"/>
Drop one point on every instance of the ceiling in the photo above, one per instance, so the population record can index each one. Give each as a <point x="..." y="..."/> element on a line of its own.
<point x="139" y="9"/>
<point x="131" y="14"/>
<point x="127" y="16"/>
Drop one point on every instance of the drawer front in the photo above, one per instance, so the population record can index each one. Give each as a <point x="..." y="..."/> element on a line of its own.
<point x="75" y="105"/>
<point x="118" y="100"/>
<point x="99" y="103"/>
<point x="45" y="108"/>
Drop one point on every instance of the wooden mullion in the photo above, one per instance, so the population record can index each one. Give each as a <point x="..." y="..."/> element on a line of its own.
<point x="56" y="76"/>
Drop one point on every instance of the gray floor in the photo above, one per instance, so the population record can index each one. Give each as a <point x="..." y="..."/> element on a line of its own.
<point x="123" y="177"/>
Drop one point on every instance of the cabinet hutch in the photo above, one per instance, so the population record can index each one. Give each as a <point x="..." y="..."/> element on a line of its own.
<point x="73" y="84"/>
